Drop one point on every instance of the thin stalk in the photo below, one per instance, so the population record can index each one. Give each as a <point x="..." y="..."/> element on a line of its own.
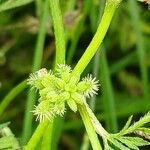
<point x="110" y="8"/>
<point x="89" y="128"/>
<point x="27" y="129"/>
<point x="57" y="130"/>
<point x="141" y="51"/>
<point x="85" y="144"/>
<point x="53" y="131"/>
<point x="58" y="31"/>
<point x="6" y="5"/>
<point x="39" y="7"/>
<point x="36" y="136"/>
<point x="78" y="31"/>
<point x="11" y="95"/>
<point x="47" y="138"/>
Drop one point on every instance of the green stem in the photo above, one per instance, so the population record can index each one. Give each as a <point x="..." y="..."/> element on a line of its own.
<point x="96" y="124"/>
<point x="52" y="131"/>
<point x="47" y="138"/>
<point x="110" y="8"/>
<point x="94" y="23"/>
<point x="89" y="128"/>
<point x="36" y="65"/>
<point x="59" y="31"/>
<point x="57" y="130"/>
<point x="11" y="95"/>
<point x="6" y="5"/>
<point x="39" y="5"/>
<point x="36" y="136"/>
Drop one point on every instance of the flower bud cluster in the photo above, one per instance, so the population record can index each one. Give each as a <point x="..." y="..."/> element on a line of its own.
<point x="56" y="89"/>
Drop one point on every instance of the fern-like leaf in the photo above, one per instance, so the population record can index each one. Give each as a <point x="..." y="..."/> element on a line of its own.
<point x="144" y="120"/>
<point x="128" y="123"/>
<point x="138" y="141"/>
<point x="128" y="143"/>
<point x="124" y="142"/>
<point x="118" y="144"/>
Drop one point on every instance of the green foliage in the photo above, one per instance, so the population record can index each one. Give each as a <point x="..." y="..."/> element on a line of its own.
<point x="128" y="143"/>
<point x="127" y="94"/>
<point x="123" y="140"/>
<point x="8" y="142"/>
<point x="7" y="139"/>
<point x="9" y="4"/>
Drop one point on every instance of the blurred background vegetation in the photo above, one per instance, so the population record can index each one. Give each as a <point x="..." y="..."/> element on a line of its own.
<point x="121" y="64"/>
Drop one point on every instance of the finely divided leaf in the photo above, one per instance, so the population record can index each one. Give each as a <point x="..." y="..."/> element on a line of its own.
<point x="144" y="120"/>
<point x="118" y="144"/>
<point x="127" y="124"/>
<point x="8" y="4"/>
<point x="127" y="142"/>
<point x="137" y="141"/>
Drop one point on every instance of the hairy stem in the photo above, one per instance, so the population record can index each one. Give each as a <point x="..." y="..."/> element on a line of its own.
<point x="96" y="124"/>
<point x="89" y="128"/>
